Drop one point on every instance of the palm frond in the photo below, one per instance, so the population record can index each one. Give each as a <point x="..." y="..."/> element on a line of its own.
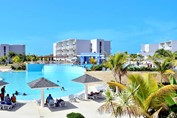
<point x="156" y="114"/>
<point x="120" y="86"/>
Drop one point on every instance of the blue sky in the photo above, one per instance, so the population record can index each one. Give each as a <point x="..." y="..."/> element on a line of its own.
<point x="127" y="23"/>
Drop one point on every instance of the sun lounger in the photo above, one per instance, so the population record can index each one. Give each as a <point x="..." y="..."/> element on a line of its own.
<point x="81" y="96"/>
<point x="7" y="106"/>
<point x="51" y="103"/>
<point x="72" y="98"/>
<point x="99" y="96"/>
<point x="62" y="104"/>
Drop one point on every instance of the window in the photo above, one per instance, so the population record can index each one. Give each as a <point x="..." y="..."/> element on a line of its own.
<point x="100" y="46"/>
<point x="4" y="50"/>
<point x="90" y="47"/>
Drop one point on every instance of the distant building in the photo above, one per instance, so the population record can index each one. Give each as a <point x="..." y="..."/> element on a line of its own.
<point x="150" y="49"/>
<point x="72" y="48"/>
<point x="6" y="48"/>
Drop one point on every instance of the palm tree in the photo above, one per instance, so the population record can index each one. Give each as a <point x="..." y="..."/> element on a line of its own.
<point x="3" y="59"/>
<point x="161" y="53"/>
<point x="109" y="106"/>
<point x="16" y="59"/>
<point x="149" y="97"/>
<point x="11" y="55"/>
<point x="164" y="67"/>
<point x="117" y="63"/>
<point x="119" y="104"/>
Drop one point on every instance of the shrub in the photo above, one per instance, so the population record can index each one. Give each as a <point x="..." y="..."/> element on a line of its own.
<point x="132" y="68"/>
<point x="97" y="67"/>
<point x="18" y="67"/>
<point x="75" y="115"/>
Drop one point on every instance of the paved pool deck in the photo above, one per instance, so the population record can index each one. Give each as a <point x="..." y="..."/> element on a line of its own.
<point x="30" y="109"/>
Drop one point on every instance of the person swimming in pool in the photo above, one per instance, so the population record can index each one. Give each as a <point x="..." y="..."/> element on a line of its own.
<point x="62" y="88"/>
<point x="16" y="93"/>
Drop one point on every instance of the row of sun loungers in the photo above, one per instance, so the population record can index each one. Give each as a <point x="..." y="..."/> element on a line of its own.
<point x="4" y="105"/>
<point x="73" y="98"/>
<point x="53" y="103"/>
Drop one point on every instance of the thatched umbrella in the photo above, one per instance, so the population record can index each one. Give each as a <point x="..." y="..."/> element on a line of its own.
<point x="3" y="83"/>
<point x="86" y="79"/>
<point x="42" y="83"/>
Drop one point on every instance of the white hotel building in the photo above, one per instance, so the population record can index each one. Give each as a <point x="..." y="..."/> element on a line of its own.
<point x="6" y="48"/>
<point x="72" y="48"/>
<point x="150" y="49"/>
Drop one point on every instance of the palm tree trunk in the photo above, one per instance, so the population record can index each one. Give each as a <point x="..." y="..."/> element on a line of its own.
<point x="113" y="110"/>
<point x="161" y="78"/>
<point x="120" y="78"/>
<point x="129" y="114"/>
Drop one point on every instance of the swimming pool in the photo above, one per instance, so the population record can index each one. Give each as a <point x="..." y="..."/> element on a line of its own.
<point x="59" y="74"/>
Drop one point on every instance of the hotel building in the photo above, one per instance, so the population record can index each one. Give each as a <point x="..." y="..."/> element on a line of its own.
<point x="6" y="48"/>
<point x="150" y="49"/>
<point x="72" y="48"/>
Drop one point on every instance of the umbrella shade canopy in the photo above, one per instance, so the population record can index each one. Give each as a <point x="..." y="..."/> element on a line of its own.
<point x="42" y="83"/>
<point x="86" y="79"/>
<point x="3" y="83"/>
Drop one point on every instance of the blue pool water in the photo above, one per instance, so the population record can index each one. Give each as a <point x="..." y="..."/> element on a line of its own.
<point x="62" y="73"/>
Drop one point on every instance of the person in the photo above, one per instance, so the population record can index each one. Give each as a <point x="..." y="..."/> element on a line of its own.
<point x="16" y="92"/>
<point x="24" y="94"/>
<point x="7" y="99"/>
<point x="13" y="98"/>
<point x="62" y="88"/>
<point x="49" y="98"/>
<point x="58" y="101"/>
<point x="2" y="93"/>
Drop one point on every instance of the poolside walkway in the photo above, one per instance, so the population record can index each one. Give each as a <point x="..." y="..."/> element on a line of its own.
<point x="30" y="109"/>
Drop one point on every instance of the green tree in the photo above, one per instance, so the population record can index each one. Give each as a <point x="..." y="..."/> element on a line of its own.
<point x="11" y="55"/>
<point x="119" y="104"/>
<point x="164" y="67"/>
<point x="161" y="53"/>
<point x="148" y="96"/>
<point x="117" y="63"/>
<point x="16" y="59"/>
<point x="3" y="59"/>
<point x="93" y="61"/>
<point x="31" y="58"/>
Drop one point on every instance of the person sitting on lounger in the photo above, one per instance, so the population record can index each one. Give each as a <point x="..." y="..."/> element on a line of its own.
<point x="13" y="98"/>
<point x="49" y="98"/>
<point x="58" y="101"/>
<point x="7" y="99"/>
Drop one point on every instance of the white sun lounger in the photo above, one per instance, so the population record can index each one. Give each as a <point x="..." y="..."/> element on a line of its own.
<point x="6" y="106"/>
<point x="51" y="103"/>
<point x="81" y="96"/>
<point x="62" y="104"/>
<point x="72" y="98"/>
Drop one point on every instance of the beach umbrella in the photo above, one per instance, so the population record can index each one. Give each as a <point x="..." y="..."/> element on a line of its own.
<point x="42" y="83"/>
<point x="3" y="83"/>
<point x="86" y="80"/>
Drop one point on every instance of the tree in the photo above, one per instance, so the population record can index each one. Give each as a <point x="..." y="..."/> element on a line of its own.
<point x="163" y="67"/>
<point x="16" y="59"/>
<point x="31" y="58"/>
<point x="117" y="63"/>
<point x="161" y="53"/>
<point x="3" y="59"/>
<point x="119" y="104"/>
<point x="93" y="61"/>
<point x="11" y="55"/>
<point x="148" y="96"/>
